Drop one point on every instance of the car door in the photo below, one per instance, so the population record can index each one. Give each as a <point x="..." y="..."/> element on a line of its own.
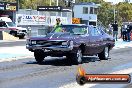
<point x="96" y="41"/>
<point x="85" y="39"/>
<point x="107" y="39"/>
<point x="82" y="39"/>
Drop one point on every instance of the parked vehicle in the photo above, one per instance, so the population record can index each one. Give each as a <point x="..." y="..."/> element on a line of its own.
<point x="72" y="41"/>
<point x="8" y="26"/>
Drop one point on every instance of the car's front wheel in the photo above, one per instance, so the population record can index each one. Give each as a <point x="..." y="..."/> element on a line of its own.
<point x="104" y="55"/>
<point x="39" y="56"/>
<point x="75" y="57"/>
<point x="21" y="36"/>
<point x="78" y="56"/>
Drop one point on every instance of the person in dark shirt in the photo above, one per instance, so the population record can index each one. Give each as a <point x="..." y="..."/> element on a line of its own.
<point x="115" y="30"/>
<point x="129" y="28"/>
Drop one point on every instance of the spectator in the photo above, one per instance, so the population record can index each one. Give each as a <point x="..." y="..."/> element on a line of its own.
<point x="129" y="28"/>
<point x="58" y="23"/>
<point x="115" y="30"/>
<point x="123" y="32"/>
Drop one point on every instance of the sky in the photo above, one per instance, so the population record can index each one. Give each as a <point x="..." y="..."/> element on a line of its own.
<point x="115" y="1"/>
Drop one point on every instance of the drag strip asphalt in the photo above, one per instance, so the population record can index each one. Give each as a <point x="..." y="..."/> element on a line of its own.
<point x="57" y="72"/>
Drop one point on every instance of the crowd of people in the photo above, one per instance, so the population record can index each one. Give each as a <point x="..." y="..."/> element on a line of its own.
<point x="125" y="31"/>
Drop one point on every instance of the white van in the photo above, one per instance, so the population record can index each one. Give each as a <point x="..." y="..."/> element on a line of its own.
<point x="8" y="26"/>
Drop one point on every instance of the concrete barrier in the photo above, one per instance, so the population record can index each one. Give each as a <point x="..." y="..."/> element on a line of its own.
<point x="1" y="35"/>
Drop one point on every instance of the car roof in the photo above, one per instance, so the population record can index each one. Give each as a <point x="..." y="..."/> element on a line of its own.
<point x="78" y="25"/>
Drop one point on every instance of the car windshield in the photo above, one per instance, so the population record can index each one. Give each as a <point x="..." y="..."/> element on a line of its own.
<point x="11" y="24"/>
<point x="79" y="30"/>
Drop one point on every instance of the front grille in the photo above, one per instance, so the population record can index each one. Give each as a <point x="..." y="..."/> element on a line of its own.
<point x="48" y="43"/>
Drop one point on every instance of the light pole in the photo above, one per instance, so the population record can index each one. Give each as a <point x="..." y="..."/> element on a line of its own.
<point x="57" y="2"/>
<point x="114" y="10"/>
<point x="50" y="2"/>
<point x="114" y="13"/>
<point x="17" y="1"/>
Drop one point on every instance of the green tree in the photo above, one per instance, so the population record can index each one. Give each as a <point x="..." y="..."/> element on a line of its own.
<point x="9" y="0"/>
<point x="105" y="13"/>
<point x="95" y="1"/>
<point x="125" y="11"/>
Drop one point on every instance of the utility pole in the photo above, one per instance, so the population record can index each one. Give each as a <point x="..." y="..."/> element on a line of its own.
<point x="50" y="2"/>
<point x="17" y="1"/>
<point x="57" y="2"/>
<point x="114" y="13"/>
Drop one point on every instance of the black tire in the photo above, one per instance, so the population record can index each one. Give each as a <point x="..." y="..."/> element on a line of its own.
<point x="104" y="55"/>
<point x="13" y="33"/>
<point x="76" y="58"/>
<point x="21" y="37"/>
<point x="39" y="56"/>
<point x="70" y="58"/>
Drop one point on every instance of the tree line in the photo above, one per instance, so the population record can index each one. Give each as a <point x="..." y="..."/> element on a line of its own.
<point x="123" y="10"/>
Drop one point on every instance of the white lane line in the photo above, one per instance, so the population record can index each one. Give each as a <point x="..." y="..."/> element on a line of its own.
<point x="122" y="46"/>
<point x="8" y="41"/>
<point x="15" y="50"/>
<point x="15" y="53"/>
<point x="75" y="85"/>
<point x="15" y="58"/>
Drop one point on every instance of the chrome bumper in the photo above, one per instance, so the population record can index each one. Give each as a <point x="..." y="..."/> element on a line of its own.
<point x="55" y="48"/>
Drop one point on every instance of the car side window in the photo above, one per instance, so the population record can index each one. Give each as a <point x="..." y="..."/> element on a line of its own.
<point x="99" y="32"/>
<point x="94" y="31"/>
<point x="3" y="24"/>
<point x="79" y="30"/>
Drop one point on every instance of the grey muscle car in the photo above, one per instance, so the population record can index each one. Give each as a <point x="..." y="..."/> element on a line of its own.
<point x="72" y="41"/>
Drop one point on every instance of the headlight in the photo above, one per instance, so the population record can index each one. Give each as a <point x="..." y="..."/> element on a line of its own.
<point x="64" y="43"/>
<point x="71" y="43"/>
<point x="28" y="41"/>
<point x="33" y="42"/>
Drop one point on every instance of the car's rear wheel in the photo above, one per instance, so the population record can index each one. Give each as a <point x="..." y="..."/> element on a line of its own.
<point x="39" y="56"/>
<point x="104" y="55"/>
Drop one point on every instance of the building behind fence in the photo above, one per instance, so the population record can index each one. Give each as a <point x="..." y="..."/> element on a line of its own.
<point x="40" y="22"/>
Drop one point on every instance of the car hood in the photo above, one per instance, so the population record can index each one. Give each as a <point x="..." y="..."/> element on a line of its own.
<point x="57" y="36"/>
